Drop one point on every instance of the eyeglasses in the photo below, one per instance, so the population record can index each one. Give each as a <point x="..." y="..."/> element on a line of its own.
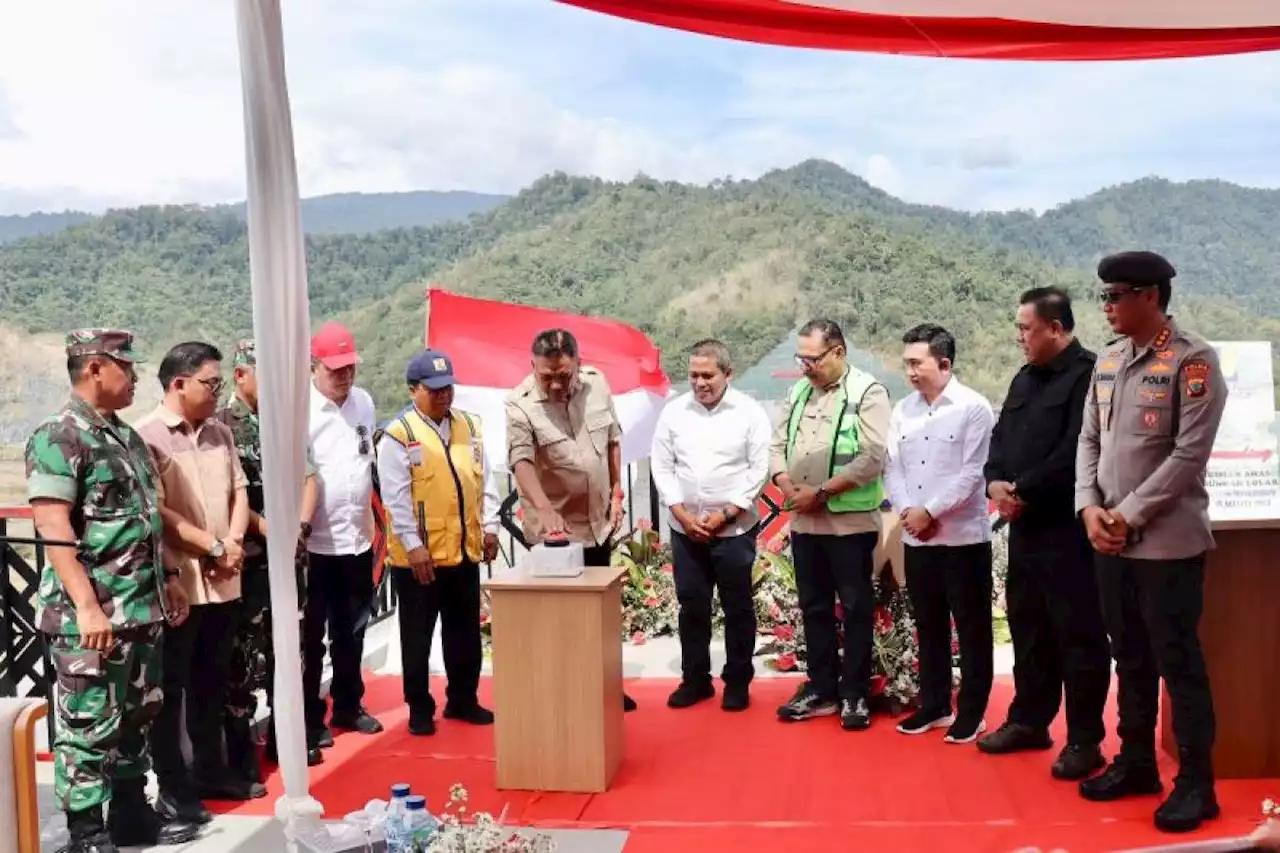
<point x="215" y="384"/>
<point x="811" y="360"/>
<point x="363" y="432"/>
<point x="1111" y="297"/>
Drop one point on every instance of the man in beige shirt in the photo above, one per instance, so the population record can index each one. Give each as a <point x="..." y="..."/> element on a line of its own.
<point x="205" y="510"/>
<point x="564" y="447"/>
<point x="1150" y="420"/>
<point x="827" y="457"/>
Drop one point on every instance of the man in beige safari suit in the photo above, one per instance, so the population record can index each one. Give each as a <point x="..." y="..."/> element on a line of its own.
<point x="564" y="448"/>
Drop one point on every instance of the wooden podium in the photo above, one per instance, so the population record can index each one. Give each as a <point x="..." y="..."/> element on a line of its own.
<point x="557" y="679"/>
<point x="1240" y="633"/>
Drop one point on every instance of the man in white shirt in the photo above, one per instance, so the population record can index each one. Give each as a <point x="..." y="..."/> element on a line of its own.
<point x="442" y="513"/>
<point x="340" y="548"/>
<point x="710" y="460"/>
<point x="938" y="442"/>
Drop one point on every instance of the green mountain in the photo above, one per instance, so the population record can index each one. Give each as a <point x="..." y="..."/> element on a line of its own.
<point x="342" y="213"/>
<point x="742" y="260"/>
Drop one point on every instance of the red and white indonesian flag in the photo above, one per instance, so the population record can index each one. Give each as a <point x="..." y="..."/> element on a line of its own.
<point x="976" y="29"/>
<point x="489" y="344"/>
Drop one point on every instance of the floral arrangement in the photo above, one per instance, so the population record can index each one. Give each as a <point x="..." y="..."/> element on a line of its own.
<point x="649" y="605"/>
<point x="481" y="833"/>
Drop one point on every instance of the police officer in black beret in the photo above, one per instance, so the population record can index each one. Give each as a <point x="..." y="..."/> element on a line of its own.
<point x="1150" y="420"/>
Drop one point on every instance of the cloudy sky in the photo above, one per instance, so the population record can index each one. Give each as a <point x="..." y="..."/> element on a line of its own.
<point x="120" y="102"/>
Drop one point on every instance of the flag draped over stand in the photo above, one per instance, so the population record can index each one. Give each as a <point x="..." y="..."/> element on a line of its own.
<point x="490" y="343"/>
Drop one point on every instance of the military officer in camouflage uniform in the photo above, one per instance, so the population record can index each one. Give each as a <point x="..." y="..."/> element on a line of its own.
<point x="103" y="603"/>
<point x="252" y="657"/>
<point x="1150" y="420"/>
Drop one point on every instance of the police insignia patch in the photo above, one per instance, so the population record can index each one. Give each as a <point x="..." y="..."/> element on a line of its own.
<point x="1166" y="354"/>
<point x="1159" y="367"/>
<point x="1150" y="418"/>
<point x="1195" y="379"/>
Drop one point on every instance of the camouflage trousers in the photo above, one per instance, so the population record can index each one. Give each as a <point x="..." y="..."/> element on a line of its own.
<point x="105" y="705"/>
<point x="253" y="660"/>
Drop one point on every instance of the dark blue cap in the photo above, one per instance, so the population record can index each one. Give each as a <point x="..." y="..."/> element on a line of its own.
<point x="431" y="368"/>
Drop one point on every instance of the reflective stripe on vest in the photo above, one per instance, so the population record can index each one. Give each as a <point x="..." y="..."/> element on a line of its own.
<point x="446" y="488"/>
<point x="844" y="439"/>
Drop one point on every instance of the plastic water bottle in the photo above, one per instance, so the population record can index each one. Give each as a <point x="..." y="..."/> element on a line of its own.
<point x="394" y="828"/>
<point x="419" y="823"/>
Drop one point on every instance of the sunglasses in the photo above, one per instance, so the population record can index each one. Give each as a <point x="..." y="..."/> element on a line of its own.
<point x="1112" y="297"/>
<point x="363" y="432"/>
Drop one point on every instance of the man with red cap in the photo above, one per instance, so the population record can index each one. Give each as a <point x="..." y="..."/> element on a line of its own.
<point x="340" y="547"/>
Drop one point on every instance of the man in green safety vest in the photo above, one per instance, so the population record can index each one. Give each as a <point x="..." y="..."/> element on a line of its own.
<point x="828" y="455"/>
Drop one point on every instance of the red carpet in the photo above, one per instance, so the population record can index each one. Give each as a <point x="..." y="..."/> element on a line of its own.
<point x="704" y="780"/>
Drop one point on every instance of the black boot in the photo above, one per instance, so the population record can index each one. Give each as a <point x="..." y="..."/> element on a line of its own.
<point x="88" y="833"/>
<point x="1193" y="800"/>
<point x="242" y="750"/>
<point x="132" y="822"/>
<point x="1134" y="773"/>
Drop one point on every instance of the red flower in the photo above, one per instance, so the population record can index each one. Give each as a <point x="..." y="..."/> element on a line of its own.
<point x="638" y="638"/>
<point x="878" y="684"/>
<point x="644" y="525"/>
<point x="667" y="568"/>
<point x="955" y="646"/>
<point x="839" y="612"/>
<point x="785" y="633"/>
<point x="785" y="662"/>
<point x="651" y="602"/>
<point x="883" y="619"/>
<point x="915" y="666"/>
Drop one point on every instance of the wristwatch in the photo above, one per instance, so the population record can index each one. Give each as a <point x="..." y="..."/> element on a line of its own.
<point x="822" y="495"/>
<point x="217" y="549"/>
<point x="306" y="530"/>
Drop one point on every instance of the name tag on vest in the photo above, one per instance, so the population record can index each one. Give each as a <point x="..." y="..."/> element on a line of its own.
<point x="414" y="449"/>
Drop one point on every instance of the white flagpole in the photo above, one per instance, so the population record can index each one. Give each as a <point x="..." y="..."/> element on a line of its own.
<point x="281" y="326"/>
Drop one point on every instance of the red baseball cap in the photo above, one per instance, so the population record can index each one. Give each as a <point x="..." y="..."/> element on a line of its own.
<point x="334" y="346"/>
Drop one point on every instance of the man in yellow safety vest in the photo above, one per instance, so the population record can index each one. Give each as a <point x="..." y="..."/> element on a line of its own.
<point x="442" y="511"/>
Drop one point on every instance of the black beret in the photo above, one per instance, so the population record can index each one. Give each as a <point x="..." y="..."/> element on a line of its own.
<point x="1135" y="268"/>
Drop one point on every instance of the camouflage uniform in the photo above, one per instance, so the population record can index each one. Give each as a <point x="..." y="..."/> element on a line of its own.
<point x="252" y="656"/>
<point x="106" y="701"/>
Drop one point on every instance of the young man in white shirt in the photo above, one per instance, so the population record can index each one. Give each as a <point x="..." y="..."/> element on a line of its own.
<point x="710" y="460"/>
<point x="938" y="442"/>
<point x="340" y="548"/>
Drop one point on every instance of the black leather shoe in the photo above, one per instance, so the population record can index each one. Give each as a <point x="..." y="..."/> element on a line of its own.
<point x="628" y="704"/>
<point x="1190" y="804"/>
<point x="1123" y="779"/>
<point x="132" y="822"/>
<point x="1077" y="761"/>
<point x="476" y="715"/>
<point x="321" y="737"/>
<point x="314" y="756"/>
<point x="855" y="716"/>
<point x="422" y="723"/>
<point x="182" y="809"/>
<point x="1014" y="737"/>
<point x="361" y="722"/>
<point x="88" y="833"/>
<point x="687" y="695"/>
<point x="736" y="697"/>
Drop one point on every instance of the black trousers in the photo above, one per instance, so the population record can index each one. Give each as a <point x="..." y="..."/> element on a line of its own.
<point x="1152" y="611"/>
<point x="340" y="599"/>
<point x="1058" y="636"/>
<point x="701" y="568"/>
<point x="830" y="568"/>
<point x="197" y="667"/>
<point x="946" y="582"/>
<point x="454" y="598"/>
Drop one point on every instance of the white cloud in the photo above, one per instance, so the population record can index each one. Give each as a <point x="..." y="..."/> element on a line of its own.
<point x="137" y="101"/>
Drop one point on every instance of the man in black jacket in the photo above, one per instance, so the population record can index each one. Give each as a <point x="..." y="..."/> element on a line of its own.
<point x="1051" y="591"/>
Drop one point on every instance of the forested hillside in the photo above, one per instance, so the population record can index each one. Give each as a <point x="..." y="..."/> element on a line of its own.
<point x="743" y="260"/>
<point x="342" y="213"/>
